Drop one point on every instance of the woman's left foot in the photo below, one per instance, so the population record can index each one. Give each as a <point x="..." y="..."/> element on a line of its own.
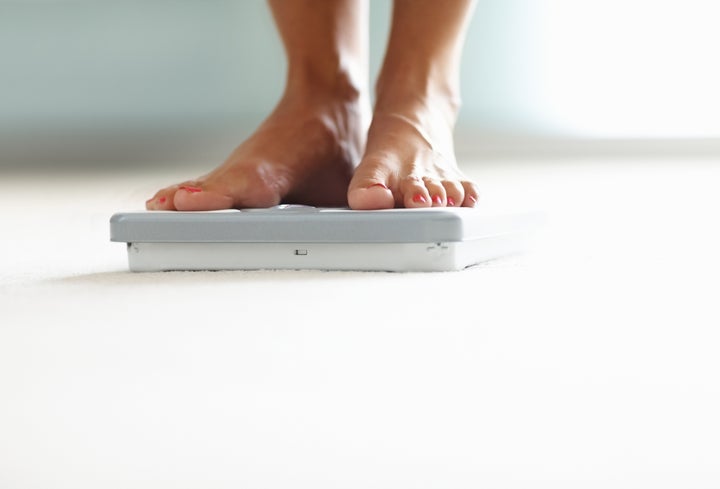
<point x="409" y="159"/>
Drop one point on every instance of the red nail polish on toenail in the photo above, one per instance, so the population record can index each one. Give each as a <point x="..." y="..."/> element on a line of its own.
<point x="451" y="202"/>
<point x="379" y="185"/>
<point x="162" y="200"/>
<point x="472" y="199"/>
<point x="420" y="198"/>
<point x="192" y="190"/>
<point x="437" y="200"/>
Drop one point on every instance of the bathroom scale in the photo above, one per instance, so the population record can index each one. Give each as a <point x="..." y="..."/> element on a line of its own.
<point x="304" y="237"/>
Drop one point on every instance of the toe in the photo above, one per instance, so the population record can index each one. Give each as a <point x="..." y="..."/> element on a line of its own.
<point x="414" y="193"/>
<point x="373" y="196"/>
<point x="437" y="192"/>
<point x="161" y="201"/>
<point x="454" y="191"/>
<point x="152" y="204"/>
<point x="197" y="198"/>
<point x="368" y="189"/>
<point x="471" y="194"/>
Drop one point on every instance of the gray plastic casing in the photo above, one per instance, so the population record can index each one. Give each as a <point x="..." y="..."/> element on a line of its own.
<point x="293" y="223"/>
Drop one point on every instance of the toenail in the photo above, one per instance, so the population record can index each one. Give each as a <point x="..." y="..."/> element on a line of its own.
<point x="420" y="198"/>
<point x="472" y="199"/>
<point x="192" y="190"/>
<point x="162" y="200"/>
<point x="451" y="201"/>
<point x="437" y="200"/>
<point x="379" y="185"/>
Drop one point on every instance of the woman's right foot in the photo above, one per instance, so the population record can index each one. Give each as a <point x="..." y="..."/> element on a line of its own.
<point x="305" y="152"/>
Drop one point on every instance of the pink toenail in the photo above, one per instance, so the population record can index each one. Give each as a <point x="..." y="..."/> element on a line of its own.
<point x="420" y="198"/>
<point x="162" y="200"/>
<point x="379" y="185"/>
<point x="451" y="201"/>
<point x="437" y="200"/>
<point x="192" y="190"/>
<point x="472" y="199"/>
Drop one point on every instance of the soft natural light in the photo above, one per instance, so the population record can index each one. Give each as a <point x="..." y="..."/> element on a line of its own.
<point x="638" y="68"/>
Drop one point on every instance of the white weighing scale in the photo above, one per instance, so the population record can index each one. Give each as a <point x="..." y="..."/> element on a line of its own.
<point x="304" y="237"/>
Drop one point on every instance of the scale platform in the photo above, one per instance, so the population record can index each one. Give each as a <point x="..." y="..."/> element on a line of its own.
<point x="303" y="237"/>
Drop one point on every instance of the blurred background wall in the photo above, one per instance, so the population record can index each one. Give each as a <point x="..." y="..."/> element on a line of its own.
<point x="103" y="82"/>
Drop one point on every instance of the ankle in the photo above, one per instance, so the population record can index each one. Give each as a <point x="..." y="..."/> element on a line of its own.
<point x="421" y="89"/>
<point x="419" y="106"/>
<point x="310" y="82"/>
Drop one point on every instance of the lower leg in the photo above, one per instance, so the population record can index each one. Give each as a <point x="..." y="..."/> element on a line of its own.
<point x="307" y="149"/>
<point x="409" y="159"/>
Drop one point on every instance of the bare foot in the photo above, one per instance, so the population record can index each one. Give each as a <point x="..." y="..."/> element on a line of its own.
<point x="409" y="160"/>
<point x="305" y="152"/>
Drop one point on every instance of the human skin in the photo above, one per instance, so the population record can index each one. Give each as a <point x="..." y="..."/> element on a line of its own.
<point x="319" y="145"/>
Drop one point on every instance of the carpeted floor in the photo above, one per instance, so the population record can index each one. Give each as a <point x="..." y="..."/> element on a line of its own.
<point x="590" y="362"/>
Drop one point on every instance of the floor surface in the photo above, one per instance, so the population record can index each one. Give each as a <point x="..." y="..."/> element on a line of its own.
<point x="590" y="362"/>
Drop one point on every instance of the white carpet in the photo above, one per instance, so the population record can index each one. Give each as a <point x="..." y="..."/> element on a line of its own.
<point x="591" y="362"/>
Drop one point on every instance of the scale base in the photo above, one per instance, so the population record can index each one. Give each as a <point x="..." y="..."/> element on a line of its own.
<point x="393" y="257"/>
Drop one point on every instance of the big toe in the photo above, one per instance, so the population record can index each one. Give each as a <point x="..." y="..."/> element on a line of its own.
<point x="197" y="198"/>
<point x="370" y="195"/>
